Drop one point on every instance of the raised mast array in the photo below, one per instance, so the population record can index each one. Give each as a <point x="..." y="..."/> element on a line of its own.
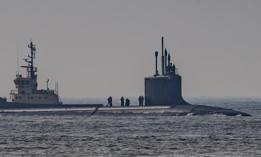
<point x="31" y="70"/>
<point x="167" y="67"/>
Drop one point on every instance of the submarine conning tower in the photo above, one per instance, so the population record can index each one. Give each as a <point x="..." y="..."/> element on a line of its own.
<point x="165" y="89"/>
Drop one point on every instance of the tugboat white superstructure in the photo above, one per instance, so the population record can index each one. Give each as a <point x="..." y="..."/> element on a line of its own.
<point x="26" y="87"/>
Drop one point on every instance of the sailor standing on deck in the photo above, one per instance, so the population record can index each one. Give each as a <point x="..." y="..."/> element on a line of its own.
<point x="122" y="101"/>
<point x="110" y="101"/>
<point x="127" y="103"/>
<point x="141" y="100"/>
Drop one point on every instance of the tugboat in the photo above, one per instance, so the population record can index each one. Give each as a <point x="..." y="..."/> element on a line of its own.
<point x="26" y="87"/>
<point x="26" y="94"/>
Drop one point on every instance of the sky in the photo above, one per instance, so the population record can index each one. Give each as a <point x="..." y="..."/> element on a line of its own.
<point x="101" y="48"/>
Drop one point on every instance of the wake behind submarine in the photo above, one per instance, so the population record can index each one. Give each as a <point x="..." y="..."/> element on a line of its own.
<point x="163" y="96"/>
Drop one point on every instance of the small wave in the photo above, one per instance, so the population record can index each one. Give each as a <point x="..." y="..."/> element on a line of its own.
<point x="190" y="114"/>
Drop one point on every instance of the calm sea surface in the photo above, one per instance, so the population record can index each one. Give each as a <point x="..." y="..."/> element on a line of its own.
<point x="84" y="135"/>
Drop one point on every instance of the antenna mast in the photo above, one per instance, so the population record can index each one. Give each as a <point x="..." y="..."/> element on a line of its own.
<point x="162" y="56"/>
<point x="17" y="55"/>
<point x="31" y="68"/>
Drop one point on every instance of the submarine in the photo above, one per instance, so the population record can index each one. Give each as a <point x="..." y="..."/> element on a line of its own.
<point x="163" y="96"/>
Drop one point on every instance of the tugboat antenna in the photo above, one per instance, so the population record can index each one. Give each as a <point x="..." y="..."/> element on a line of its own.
<point x="17" y="55"/>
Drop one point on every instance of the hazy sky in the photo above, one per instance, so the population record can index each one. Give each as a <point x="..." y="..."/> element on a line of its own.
<point x="106" y="47"/>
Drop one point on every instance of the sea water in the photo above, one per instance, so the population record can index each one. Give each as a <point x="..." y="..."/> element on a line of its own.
<point x="85" y="135"/>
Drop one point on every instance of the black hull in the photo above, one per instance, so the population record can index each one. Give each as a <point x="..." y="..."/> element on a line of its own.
<point x="98" y="109"/>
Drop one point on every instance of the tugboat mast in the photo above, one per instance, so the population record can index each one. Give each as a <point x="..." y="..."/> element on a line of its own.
<point x="31" y="70"/>
<point x="32" y="57"/>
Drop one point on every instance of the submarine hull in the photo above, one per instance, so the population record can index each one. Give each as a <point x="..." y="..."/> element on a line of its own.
<point x="176" y="110"/>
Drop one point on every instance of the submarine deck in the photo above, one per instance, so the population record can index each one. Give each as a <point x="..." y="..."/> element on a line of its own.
<point x="178" y="110"/>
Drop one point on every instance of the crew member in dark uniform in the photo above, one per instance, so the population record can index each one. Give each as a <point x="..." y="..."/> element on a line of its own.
<point x="122" y="101"/>
<point x="110" y="101"/>
<point x="127" y="103"/>
<point x="141" y="100"/>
